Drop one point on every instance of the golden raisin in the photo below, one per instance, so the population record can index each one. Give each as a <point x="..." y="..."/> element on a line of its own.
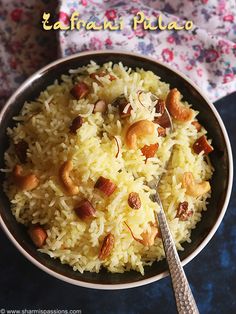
<point x="134" y="200"/>
<point x="107" y="246"/>
<point x="76" y="124"/>
<point x="183" y="213"/>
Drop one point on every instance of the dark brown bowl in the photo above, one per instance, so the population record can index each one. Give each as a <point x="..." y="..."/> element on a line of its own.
<point x="221" y="181"/>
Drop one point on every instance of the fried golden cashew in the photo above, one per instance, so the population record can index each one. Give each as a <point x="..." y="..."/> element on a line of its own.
<point x="193" y="188"/>
<point x="177" y="110"/>
<point x="148" y="238"/>
<point x="64" y="174"/>
<point x="24" y="182"/>
<point x="138" y="129"/>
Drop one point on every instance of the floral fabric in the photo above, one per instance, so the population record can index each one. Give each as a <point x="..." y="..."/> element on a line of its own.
<point x="24" y="47"/>
<point x="206" y="54"/>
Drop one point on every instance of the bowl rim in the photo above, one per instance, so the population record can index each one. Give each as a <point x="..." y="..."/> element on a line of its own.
<point x="117" y="286"/>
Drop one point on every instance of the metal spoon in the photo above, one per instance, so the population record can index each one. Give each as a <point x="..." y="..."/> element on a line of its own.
<point x="183" y="295"/>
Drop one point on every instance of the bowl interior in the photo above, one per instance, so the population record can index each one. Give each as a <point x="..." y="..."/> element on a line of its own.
<point x="219" y="158"/>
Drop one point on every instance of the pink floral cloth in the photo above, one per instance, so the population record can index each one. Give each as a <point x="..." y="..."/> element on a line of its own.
<point x="24" y="47"/>
<point x="206" y="54"/>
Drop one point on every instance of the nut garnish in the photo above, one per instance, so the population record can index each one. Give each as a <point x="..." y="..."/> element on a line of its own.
<point x="176" y="108"/>
<point x="38" y="235"/>
<point x="95" y="75"/>
<point x="138" y="129"/>
<point x="161" y="131"/>
<point x="100" y="106"/>
<point x="163" y="121"/>
<point x="160" y="106"/>
<point x="105" y="185"/>
<point x="147" y="237"/>
<point x="122" y="103"/>
<point x="202" y="144"/>
<point x="80" y="90"/>
<point x="197" y="125"/>
<point x="85" y="210"/>
<point x="24" y="182"/>
<point x="193" y="188"/>
<point x="64" y="174"/>
<point x="149" y="150"/>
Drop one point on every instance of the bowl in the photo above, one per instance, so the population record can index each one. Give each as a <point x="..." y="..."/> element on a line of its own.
<point x="221" y="159"/>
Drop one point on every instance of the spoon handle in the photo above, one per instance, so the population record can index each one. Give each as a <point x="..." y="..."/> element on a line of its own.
<point x="183" y="295"/>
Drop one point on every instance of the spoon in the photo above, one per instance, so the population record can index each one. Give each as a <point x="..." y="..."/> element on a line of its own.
<point x="183" y="295"/>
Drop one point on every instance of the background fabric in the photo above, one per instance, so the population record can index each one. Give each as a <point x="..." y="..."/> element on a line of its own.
<point x="206" y="54"/>
<point x="24" y="46"/>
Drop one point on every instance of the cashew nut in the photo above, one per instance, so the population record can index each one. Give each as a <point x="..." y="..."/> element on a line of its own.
<point x="176" y="109"/>
<point x="24" y="182"/>
<point x="64" y="174"/>
<point x="138" y="129"/>
<point x="193" y="188"/>
<point x="148" y="238"/>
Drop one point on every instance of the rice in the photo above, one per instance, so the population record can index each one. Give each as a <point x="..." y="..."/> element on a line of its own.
<point x="44" y="124"/>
